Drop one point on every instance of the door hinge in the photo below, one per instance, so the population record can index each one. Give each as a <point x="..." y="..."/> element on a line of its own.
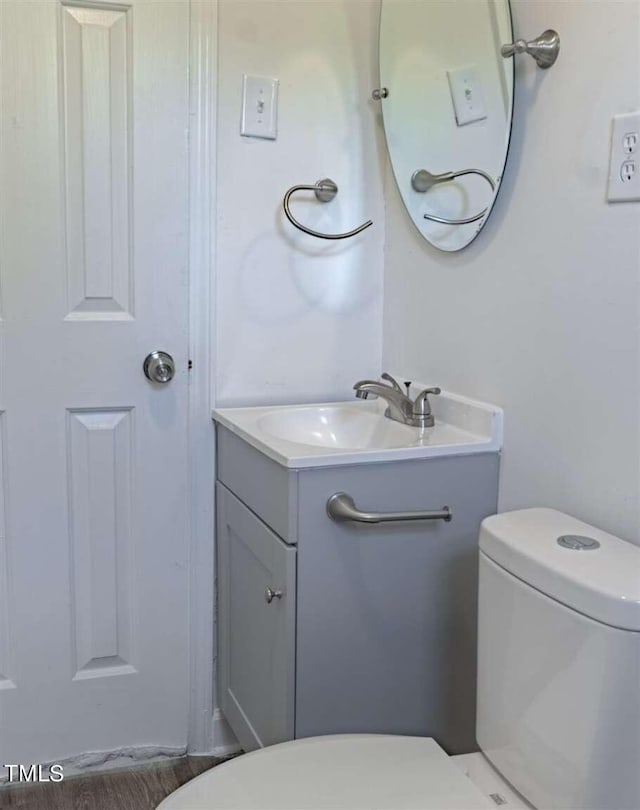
<point x="190" y="365"/>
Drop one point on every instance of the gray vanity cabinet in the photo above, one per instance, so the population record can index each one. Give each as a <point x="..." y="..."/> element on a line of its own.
<point x="384" y="614"/>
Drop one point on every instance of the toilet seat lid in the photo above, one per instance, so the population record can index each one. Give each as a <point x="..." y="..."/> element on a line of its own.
<point x="346" y="771"/>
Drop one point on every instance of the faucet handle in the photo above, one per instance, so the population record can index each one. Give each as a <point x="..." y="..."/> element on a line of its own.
<point x="424" y="394"/>
<point x="422" y="407"/>
<point x="386" y="376"/>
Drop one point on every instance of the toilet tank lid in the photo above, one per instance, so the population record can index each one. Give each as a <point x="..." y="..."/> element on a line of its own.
<point x="603" y="583"/>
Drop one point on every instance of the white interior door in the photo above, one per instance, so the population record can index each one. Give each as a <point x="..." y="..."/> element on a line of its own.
<point x="93" y="457"/>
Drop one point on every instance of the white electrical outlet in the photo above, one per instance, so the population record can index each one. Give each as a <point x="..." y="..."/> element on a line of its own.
<point x="627" y="171"/>
<point x="630" y="142"/>
<point x="259" y="107"/>
<point x="624" y="162"/>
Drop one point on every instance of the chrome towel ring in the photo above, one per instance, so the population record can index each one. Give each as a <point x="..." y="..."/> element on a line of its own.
<point x="422" y="180"/>
<point x="325" y="190"/>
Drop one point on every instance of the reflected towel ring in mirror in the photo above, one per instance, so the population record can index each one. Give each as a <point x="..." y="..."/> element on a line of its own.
<point x="325" y="190"/>
<point x="422" y="180"/>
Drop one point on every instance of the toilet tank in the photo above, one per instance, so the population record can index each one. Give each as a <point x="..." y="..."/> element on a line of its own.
<point x="558" y="709"/>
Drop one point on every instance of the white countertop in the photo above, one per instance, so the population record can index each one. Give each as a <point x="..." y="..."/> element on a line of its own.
<point x="463" y="427"/>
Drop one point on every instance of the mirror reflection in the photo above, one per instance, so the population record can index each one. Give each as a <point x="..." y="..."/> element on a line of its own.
<point x="447" y="110"/>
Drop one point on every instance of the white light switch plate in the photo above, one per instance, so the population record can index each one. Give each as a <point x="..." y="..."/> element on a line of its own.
<point x="624" y="160"/>
<point x="466" y="94"/>
<point x="259" y="107"/>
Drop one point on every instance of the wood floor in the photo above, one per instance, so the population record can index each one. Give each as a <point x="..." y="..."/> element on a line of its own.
<point x="141" y="788"/>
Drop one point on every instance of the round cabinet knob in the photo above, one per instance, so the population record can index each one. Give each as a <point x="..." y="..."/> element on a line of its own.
<point x="159" y="367"/>
<point x="270" y="595"/>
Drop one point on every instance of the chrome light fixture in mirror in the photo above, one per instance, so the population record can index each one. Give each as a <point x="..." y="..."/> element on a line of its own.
<point x="447" y="98"/>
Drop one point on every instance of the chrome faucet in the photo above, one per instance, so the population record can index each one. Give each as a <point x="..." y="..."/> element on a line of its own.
<point x="401" y="407"/>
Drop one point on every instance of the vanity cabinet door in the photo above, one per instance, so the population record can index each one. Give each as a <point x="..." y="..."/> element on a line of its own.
<point x="257" y="602"/>
<point x="387" y="611"/>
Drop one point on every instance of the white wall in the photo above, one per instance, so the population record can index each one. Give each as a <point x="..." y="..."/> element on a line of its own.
<point x="298" y="318"/>
<point x="541" y="314"/>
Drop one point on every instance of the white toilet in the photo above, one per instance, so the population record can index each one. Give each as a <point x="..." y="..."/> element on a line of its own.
<point x="558" y="714"/>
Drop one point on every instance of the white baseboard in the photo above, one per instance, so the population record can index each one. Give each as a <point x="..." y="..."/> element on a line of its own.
<point x="224" y="744"/>
<point x="120" y="758"/>
<point x="224" y="740"/>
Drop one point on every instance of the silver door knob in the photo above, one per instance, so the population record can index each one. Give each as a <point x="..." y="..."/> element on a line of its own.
<point x="159" y="367"/>
<point x="270" y="595"/>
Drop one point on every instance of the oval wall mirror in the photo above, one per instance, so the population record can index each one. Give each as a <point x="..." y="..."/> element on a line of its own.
<point x="447" y="101"/>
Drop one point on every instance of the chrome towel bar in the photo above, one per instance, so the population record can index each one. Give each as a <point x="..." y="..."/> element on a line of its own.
<point x="422" y="180"/>
<point x="341" y="508"/>
<point x="325" y="190"/>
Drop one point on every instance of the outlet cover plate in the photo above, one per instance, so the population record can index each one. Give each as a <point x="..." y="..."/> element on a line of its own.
<point x="624" y="161"/>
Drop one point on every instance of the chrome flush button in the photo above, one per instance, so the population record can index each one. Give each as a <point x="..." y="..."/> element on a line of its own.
<point x="576" y="542"/>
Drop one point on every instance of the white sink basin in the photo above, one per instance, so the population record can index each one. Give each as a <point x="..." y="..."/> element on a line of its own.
<point x="357" y="431"/>
<point x="337" y="426"/>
